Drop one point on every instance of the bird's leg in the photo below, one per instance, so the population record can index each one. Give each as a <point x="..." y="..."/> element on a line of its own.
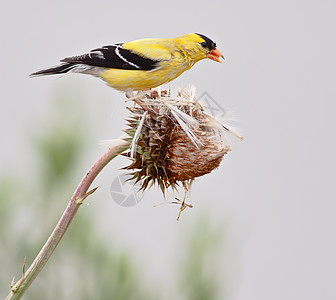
<point x="129" y="94"/>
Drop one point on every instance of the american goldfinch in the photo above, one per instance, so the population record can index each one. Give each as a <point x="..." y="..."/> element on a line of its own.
<point x="141" y="64"/>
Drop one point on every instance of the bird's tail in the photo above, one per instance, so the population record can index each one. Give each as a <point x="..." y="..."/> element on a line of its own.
<point x="61" y="69"/>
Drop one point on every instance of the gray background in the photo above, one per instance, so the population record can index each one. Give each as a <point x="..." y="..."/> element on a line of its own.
<point x="275" y="190"/>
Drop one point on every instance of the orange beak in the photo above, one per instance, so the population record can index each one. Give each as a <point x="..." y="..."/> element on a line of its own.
<point x="215" y="54"/>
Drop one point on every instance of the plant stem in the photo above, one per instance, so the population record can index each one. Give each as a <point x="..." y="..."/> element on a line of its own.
<point x="19" y="288"/>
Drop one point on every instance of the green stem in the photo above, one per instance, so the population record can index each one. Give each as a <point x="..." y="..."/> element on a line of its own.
<point x="19" y="288"/>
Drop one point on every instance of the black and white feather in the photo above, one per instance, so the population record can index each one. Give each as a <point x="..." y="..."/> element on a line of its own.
<point x="113" y="56"/>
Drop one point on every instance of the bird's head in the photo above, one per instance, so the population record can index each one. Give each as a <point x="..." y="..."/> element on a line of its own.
<point x="197" y="46"/>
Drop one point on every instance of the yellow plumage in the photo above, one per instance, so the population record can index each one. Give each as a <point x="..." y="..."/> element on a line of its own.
<point x="141" y="64"/>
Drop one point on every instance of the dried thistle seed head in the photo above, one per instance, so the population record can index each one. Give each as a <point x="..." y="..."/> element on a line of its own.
<point x="174" y="140"/>
<point x="188" y="162"/>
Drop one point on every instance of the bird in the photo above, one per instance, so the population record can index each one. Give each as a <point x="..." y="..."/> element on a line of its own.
<point x="141" y="64"/>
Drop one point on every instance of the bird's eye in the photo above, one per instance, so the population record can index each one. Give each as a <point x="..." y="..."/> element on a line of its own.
<point x="204" y="44"/>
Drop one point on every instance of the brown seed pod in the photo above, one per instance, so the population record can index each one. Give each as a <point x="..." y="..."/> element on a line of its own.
<point x="174" y="140"/>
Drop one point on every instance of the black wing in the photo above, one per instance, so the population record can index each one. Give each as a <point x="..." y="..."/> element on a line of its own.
<point x="113" y="56"/>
